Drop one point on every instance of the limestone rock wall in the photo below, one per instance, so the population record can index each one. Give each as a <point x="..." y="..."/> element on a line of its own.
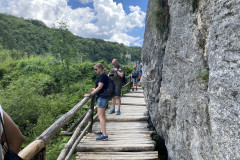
<point x="197" y="117"/>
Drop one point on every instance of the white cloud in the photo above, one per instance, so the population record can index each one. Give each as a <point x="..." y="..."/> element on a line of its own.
<point x="123" y="38"/>
<point x="136" y="18"/>
<point x="85" y="1"/>
<point x="138" y="43"/>
<point x="107" y="20"/>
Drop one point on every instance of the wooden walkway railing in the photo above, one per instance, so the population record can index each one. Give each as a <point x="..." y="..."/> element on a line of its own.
<point x="37" y="149"/>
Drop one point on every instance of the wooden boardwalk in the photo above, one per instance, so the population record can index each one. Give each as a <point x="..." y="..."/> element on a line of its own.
<point x="128" y="134"/>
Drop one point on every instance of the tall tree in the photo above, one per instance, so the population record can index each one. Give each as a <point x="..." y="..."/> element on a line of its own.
<point x="62" y="49"/>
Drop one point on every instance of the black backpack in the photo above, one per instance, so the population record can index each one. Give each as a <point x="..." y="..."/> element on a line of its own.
<point x="108" y="93"/>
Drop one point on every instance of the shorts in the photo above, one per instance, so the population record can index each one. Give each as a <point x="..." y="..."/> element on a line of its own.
<point x="135" y="79"/>
<point x="101" y="102"/>
<point x="117" y="91"/>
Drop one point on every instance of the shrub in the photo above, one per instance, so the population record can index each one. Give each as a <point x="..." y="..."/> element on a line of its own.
<point x="161" y="15"/>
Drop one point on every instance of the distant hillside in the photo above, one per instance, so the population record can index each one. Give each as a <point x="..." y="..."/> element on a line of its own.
<point x="34" y="37"/>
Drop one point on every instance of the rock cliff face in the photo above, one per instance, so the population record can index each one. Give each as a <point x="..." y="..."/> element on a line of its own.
<point x="191" y="78"/>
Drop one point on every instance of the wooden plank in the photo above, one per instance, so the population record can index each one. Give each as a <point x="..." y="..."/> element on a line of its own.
<point x="114" y="136"/>
<point x="126" y="119"/>
<point x="116" y="148"/>
<point x="133" y="100"/>
<point x="117" y="155"/>
<point x="134" y="94"/>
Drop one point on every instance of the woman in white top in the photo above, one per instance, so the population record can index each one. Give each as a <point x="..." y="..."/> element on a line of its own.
<point x="14" y="135"/>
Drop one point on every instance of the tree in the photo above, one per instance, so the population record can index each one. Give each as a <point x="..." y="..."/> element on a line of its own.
<point x="62" y="49"/>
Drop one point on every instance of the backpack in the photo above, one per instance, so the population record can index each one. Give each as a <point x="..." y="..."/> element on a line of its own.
<point x="134" y="74"/>
<point x="108" y="93"/>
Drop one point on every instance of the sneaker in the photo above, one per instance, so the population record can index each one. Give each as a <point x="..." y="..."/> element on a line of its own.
<point x="102" y="138"/>
<point x="118" y="112"/>
<point x="98" y="133"/>
<point x="112" y="111"/>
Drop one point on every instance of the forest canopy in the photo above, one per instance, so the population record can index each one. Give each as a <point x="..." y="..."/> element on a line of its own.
<point x="34" y="37"/>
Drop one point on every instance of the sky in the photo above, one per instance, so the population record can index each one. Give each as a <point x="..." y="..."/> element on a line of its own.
<point x="121" y="21"/>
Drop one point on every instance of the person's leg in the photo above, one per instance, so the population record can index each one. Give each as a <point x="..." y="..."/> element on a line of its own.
<point x="133" y="87"/>
<point x="139" y="83"/>
<point x="136" y="85"/>
<point x="119" y="102"/>
<point x="113" y="102"/>
<point x="133" y="84"/>
<point x="118" y="96"/>
<point x="102" y="119"/>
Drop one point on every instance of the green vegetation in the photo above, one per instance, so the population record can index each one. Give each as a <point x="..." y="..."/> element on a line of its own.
<point x="34" y="37"/>
<point x="44" y="72"/>
<point x="204" y="74"/>
<point x="35" y="94"/>
<point x="160" y="16"/>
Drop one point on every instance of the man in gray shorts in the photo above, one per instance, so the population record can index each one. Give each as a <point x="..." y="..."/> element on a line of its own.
<point x="116" y="73"/>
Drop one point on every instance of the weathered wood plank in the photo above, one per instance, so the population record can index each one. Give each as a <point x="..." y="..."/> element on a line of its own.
<point x="126" y="119"/>
<point x="117" y="155"/>
<point x="116" y="148"/>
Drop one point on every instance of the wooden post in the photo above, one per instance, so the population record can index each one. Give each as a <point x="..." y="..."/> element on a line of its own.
<point x="92" y="109"/>
<point x="41" y="155"/>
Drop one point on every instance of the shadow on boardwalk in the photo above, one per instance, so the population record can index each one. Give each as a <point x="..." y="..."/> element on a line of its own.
<point x="129" y="137"/>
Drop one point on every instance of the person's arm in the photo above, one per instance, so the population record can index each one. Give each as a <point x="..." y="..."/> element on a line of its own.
<point x="14" y="135"/>
<point x="121" y="74"/>
<point x="100" y="85"/>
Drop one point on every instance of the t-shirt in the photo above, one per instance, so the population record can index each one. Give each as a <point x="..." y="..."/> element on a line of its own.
<point x="104" y="79"/>
<point x="135" y="74"/>
<point x="116" y="78"/>
<point x="140" y="70"/>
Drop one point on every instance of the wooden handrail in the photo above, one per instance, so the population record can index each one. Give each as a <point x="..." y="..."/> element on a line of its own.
<point x="33" y="148"/>
<point x="37" y="146"/>
<point x="68" y="147"/>
<point x="128" y="77"/>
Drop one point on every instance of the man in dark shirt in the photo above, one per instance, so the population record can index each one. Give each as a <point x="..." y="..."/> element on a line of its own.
<point x="116" y="74"/>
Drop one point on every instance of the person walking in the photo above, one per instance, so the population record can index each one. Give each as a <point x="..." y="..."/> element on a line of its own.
<point x="117" y="74"/>
<point x="14" y="137"/>
<point x="139" y="69"/>
<point x="101" y="84"/>
<point x="134" y="76"/>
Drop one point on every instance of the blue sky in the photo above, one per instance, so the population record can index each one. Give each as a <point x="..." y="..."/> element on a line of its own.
<point x="121" y="21"/>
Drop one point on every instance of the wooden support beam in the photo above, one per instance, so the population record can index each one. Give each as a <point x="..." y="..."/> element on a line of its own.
<point x="76" y="133"/>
